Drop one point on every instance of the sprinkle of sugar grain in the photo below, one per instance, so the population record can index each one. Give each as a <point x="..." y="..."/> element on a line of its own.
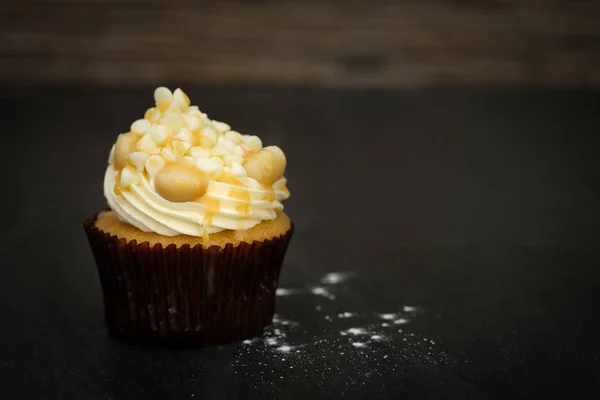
<point x="372" y="336"/>
<point x="333" y="278"/>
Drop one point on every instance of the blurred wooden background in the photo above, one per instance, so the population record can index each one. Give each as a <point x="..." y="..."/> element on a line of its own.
<point x="373" y="43"/>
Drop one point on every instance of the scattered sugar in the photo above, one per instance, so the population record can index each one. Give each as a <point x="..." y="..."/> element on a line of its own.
<point x="285" y="292"/>
<point x="302" y="349"/>
<point x="321" y="291"/>
<point x="333" y="278"/>
<point x="354" y="331"/>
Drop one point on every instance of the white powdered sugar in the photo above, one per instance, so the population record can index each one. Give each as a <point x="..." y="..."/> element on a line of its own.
<point x="321" y="291"/>
<point x="332" y="330"/>
<point x="333" y="278"/>
<point x="285" y="292"/>
<point x="354" y="331"/>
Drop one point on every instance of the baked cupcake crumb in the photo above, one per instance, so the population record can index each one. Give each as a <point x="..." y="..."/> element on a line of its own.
<point x="108" y="222"/>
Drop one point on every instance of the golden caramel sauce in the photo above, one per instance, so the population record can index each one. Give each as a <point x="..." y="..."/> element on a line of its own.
<point x="270" y="196"/>
<point x="212" y="204"/>
<point x="243" y="209"/>
<point x="231" y="180"/>
<point x="205" y="235"/>
<point x="239" y="193"/>
<point x="117" y="188"/>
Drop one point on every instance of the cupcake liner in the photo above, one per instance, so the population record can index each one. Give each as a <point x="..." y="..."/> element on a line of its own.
<point x="186" y="295"/>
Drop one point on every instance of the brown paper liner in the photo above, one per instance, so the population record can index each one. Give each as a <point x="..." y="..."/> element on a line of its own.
<point x="186" y="295"/>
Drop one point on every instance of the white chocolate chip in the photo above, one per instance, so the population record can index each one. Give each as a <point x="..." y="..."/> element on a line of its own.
<point x="187" y="161"/>
<point x="180" y="148"/>
<point x="199" y="152"/>
<point x="147" y="145"/>
<point x="111" y="155"/>
<point x="154" y="164"/>
<point x="125" y="144"/>
<point x="252" y="142"/>
<point x="193" y="123"/>
<point x="168" y="155"/>
<point x="237" y="169"/>
<point x="159" y="134"/>
<point x="184" y="135"/>
<point x="205" y="142"/>
<point x="149" y="112"/>
<point x="234" y="136"/>
<point x="173" y="121"/>
<point x="208" y="165"/>
<point x="223" y="147"/>
<point x="221" y="127"/>
<point x="182" y="100"/>
<point x="140" y="126"/>
<point x="238" y="151"/>
<point x="138" y="159"/>
<point x="163" y="98"/>
<point x="218" y="160"/>
<point x="128" y="176"/>
<point x="194" y="111"/>
<point x="231" y="158"/>
<point x="210" y="134"/>
<point x="155" y="117"/>
<point x="162" y="94"/>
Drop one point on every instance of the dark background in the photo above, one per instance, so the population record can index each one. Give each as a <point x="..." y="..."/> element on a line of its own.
<point x="347" y="43"/>
<point x="445" y="152"/>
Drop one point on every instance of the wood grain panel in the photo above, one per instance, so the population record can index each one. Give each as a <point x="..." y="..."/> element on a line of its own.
<point x="325" y="43"/>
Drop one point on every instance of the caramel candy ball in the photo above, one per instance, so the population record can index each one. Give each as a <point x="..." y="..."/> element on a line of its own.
<point x="179" y="183"/>
<point x="267" y="165"/>
<point x="125" y="145"/>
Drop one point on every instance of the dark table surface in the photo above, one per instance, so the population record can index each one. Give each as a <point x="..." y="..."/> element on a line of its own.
<point x="479" y="208"/>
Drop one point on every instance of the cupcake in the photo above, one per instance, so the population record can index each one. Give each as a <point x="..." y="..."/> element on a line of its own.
<point x="194" y="241"/>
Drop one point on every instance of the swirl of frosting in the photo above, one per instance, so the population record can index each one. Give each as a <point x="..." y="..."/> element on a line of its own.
<point x="178" y="172"/>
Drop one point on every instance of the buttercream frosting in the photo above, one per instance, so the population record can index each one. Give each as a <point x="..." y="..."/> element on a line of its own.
<point x="178" y="172"/>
